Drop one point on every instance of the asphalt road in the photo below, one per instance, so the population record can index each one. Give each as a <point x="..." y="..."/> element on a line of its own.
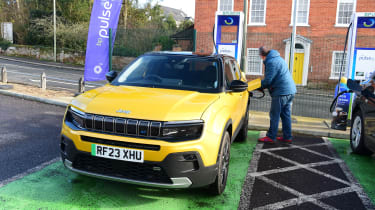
<point x="57" y="78"/>
<point x="29" y="135"/>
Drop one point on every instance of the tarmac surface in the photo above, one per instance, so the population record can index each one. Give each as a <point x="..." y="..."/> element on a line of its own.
<point x="29" y="135"/>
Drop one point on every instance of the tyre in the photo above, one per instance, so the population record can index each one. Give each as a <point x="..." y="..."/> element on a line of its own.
<point x="357" y="134"/>
<point x="242" y="135"/>
<point x="218" y="186"/>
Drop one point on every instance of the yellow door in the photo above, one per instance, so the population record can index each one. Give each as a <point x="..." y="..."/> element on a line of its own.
<point x="298" y="68"/>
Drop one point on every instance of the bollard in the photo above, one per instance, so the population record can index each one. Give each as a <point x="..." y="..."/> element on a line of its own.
<point x="43" y="81"/>
<point x="81" y="85"/>
<point x="4" y="76"/>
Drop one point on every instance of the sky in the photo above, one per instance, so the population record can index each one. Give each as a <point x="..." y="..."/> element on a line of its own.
<point x="188" y="6"/>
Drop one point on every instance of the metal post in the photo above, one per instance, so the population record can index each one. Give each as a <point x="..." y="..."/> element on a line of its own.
<point x="4" y="75"/>
<point x="43" y="81"/>
<point x="54" y="30"/>
<point x="244" y="45"/>
<point x="293" y="41"/>
<point x="110" y="49"/>
<point x="81" y="85"/>
<point x="195" y="40"/>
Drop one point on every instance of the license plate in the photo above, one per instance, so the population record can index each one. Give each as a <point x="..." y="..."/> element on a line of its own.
<point x="116" y="153"/>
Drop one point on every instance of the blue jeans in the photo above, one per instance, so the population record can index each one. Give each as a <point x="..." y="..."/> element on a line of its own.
<point x="281" y="106"/>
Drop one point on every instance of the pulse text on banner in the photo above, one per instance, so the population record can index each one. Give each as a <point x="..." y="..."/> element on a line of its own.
<point x="104" y="15"/>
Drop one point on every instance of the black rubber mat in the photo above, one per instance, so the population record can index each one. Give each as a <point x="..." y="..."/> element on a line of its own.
<point x="321" y="149"/>
<point x="303" y="206"/>
<point x="300" y="156"/>
<point x="264" y="194"/>
<point x="275" y="185"/>
<point x="334" y="170"/>
<point x="306" y="182"/>
<point x="346" y="201"/>
<point x="267" y="162"/>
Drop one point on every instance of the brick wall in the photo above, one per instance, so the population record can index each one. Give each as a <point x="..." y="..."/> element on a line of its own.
<point x="321" y="30"/>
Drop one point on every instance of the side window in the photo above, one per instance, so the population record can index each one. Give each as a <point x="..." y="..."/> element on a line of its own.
<point x="229" y="76"/>
<point x="236" y="70"/>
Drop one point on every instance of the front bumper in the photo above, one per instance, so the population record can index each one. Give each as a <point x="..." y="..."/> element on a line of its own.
<point x="177" y="170"/>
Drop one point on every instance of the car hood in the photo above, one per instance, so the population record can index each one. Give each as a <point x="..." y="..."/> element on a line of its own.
<point x="145" y="103"/>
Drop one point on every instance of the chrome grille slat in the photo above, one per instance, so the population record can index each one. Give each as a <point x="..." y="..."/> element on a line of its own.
<point x="120" y="126"/>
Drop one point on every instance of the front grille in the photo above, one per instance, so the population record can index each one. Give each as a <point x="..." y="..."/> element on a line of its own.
<point x="113" y="125"/>
<point x="121" y="143"/>
<point x="121" y="169"/>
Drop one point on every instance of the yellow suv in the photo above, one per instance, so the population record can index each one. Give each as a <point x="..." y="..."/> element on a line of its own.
<point x="167" y="120"/>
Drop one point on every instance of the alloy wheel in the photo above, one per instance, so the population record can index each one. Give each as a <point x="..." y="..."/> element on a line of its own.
<point x="356" y="131"/>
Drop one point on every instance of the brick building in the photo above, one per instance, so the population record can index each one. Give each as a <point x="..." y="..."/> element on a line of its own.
<point x="321" y="31"/>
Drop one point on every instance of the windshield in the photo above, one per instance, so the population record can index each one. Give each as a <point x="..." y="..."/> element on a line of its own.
<point x="172" y="72"/>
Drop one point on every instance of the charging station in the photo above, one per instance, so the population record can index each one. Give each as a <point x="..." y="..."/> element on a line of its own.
<point x="228" y="33"/>
<point x="360" y="66"/>
<point x="361" y="59"/>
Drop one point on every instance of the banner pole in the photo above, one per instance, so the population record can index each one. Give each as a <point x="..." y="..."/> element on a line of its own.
<point x="110" y="49"/>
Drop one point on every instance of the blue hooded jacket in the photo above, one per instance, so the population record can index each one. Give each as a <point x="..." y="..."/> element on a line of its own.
<point x="277" y="77"/>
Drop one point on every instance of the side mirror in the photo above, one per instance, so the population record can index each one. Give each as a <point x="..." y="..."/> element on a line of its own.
<point x="111" y="76"/>
<point x="238" y="86"/>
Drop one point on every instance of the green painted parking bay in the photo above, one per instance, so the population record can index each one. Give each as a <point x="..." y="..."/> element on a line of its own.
<point x="55" y="187"/>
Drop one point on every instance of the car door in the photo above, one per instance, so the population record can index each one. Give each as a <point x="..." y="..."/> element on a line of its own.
<point x="232" y="99"/>
<point x="245" y="95"/>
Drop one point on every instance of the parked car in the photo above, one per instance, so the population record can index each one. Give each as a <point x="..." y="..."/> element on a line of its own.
<point x="167" y="120"/>
<point x="362" y="132"/>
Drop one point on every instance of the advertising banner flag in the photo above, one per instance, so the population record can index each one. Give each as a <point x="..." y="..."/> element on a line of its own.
<point x="104" y="15"/>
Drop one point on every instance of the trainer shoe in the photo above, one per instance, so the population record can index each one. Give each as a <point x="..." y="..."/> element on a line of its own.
<point x="267" y="140"/>
<point x="284" y="140"/>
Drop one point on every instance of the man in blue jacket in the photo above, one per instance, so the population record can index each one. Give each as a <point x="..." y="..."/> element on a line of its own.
<point x="280" y="84"/>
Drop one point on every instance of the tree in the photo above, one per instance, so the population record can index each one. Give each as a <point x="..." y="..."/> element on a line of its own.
<point x="185" y="24"/>
<point x="170" y="23"/>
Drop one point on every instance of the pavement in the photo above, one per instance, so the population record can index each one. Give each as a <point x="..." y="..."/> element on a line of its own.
<point x="257" y="120"/>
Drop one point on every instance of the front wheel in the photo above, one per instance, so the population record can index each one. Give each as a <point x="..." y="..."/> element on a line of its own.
<point x="357" y="135"/>
<point x="218" y="186"/>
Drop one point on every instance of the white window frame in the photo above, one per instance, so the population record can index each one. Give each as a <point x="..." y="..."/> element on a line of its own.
<point x="337" y="11"/>
<point x="333" y="76"/>
<point x="260" y="70"/>
<point x="264" y="18"/>
<point x="308" y="15"/>
<point x="218" y="5"/>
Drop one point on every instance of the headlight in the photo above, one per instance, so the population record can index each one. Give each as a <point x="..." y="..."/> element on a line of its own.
<point x="169" y="131"/>
<point x="76" y="117"/>
<point x="184" y="130"/>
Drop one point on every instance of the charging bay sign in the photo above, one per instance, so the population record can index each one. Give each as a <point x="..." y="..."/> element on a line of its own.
<point x="364" y="63"/>
<point x="228" y="33"/>
<point x="227" y="50"/>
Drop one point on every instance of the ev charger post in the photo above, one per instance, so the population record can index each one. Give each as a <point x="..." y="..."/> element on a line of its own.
<point x="361" y="59"/>
<point x="229" y="21"/>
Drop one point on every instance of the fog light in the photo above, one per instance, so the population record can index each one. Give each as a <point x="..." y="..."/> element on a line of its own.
<point x="190" y="157"/>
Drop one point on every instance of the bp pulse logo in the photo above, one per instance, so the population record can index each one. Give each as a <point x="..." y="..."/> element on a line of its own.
<point x="228" y="21"/>
<point x="370" y="23"/>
